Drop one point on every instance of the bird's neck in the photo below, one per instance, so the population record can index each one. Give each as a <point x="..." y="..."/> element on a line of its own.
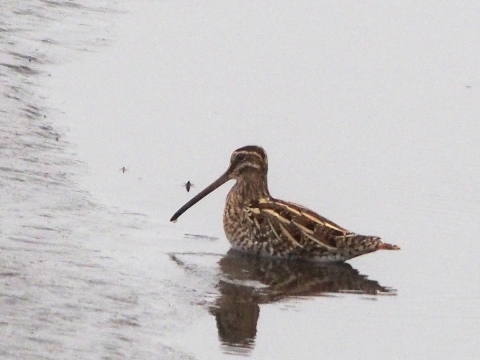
<point x="248" y="189"/>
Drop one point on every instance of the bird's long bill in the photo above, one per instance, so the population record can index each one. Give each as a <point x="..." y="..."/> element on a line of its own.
<point x="220" y="181"/>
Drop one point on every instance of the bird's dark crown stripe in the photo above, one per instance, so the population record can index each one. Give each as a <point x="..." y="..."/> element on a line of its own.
<point x="256" y="153"/>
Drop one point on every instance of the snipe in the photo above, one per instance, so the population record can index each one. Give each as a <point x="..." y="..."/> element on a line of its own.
<point x="256" y="222"/>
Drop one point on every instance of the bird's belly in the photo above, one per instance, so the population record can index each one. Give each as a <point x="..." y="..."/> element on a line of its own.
<point x="245" y="236"/>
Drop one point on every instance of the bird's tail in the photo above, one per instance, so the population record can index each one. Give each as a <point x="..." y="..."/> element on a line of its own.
<point x="386" y="246"/>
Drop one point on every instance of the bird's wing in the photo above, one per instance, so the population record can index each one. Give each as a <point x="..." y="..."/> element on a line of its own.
<point x="299" y="226"/>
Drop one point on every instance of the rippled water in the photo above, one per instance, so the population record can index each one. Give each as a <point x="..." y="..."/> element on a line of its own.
<point x="64" y="293"/>
<point x="371" y="122"/>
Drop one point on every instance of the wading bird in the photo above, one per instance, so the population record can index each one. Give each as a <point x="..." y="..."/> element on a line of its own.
<point x="257" y="223"/>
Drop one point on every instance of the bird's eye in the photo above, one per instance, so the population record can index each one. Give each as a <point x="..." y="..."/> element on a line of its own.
<point x="241" y="157"/>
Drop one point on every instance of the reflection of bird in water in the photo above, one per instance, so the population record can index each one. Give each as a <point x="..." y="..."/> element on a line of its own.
<point x="256" y="222"/>
<point x="249" y="281"/>
<point x="188" y="185"/>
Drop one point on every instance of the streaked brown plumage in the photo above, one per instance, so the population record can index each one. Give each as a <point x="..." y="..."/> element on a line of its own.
<point x="256" y="222"/>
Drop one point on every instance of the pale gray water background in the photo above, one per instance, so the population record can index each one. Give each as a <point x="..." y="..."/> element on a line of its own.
<point x="68" y="284"/>
<point x="369" y="114"/>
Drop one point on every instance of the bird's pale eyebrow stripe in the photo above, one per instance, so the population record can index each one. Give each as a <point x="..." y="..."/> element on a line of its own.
<point x="246" y="152"/>
<point x="248" y="164"/>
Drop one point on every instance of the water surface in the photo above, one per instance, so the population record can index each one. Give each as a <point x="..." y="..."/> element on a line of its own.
<point x="369" y="116"/>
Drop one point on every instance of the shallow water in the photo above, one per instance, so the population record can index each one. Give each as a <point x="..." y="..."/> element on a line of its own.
<point x="65" y="292"/>
<point x="369" y="116"/>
